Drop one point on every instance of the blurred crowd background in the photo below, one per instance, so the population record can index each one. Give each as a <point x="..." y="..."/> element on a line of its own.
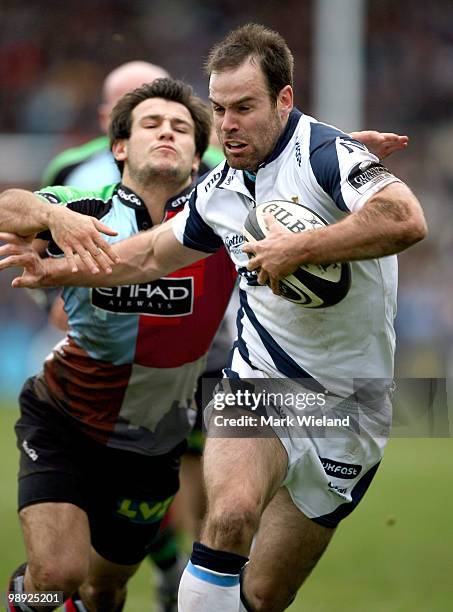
<point x="54" y="56"/>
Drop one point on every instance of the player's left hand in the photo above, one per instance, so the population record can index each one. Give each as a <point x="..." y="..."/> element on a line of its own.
<point x="19" y="253"/>
<point x="382" y="144"/>
<point x="273" y="257"/>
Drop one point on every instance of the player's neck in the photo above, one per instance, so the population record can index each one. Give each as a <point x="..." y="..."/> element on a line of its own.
<point x="156" y="195"/>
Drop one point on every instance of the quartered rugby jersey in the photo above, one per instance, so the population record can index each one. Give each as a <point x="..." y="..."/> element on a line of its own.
<point x="324" y="169"/>
<point x="129" y="366"/>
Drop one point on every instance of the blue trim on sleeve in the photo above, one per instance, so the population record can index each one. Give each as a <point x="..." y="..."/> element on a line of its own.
<point x="197" y="233"/>
<point x="207" y="576"/>
<point x="324" y="161"/>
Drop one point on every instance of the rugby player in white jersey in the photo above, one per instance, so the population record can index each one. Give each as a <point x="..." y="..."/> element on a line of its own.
<point x="288" y="492"/>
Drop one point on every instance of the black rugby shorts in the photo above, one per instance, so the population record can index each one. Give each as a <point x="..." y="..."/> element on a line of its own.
<point x="124" y="494"/>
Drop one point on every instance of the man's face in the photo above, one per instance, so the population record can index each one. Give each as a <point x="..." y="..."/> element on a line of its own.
<point x="247" y="121"/>
<point x="161" y="144"/>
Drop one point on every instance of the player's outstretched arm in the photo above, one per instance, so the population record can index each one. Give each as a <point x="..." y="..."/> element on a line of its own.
<point x="145" y="256"/>
<point x="25" y="214"/>
<point x="148" y="256"/>
<point x="381" y="144"/>
<point x="392" y="220"/>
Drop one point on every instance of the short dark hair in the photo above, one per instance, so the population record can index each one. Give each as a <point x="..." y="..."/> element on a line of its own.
<point x="168" y="89"/>
<point x="255" y="41"/>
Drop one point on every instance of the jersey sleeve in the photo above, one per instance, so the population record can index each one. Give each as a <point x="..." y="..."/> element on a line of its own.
<point x="94" y="204"/>
<point x="344" y="168"/>
<point x="192" y="231"/>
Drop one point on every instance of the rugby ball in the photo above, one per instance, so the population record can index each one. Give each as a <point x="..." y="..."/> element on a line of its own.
<point x="311" y="285"/>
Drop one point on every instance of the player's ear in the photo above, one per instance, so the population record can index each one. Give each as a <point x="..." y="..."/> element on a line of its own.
<point x="285" y="101"/>
<point x="119" y="149"/>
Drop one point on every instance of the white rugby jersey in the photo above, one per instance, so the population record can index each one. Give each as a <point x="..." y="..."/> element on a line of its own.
<point x="325" y="169"/>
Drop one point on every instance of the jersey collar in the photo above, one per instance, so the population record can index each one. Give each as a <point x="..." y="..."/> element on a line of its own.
<point x="233" y="180"/>
<point x="129" y="198"/>
<point x="179" y="200"/>
<point x="285" y="137"/>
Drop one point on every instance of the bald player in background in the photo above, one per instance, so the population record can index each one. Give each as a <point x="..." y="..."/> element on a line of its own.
<point x="91" y="164"/>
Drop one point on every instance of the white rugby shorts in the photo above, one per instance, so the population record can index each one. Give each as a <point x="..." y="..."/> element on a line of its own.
<point x="332" y="460"/>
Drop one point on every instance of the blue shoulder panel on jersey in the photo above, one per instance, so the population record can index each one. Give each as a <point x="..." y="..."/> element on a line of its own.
<point x="285" y="137"/>
<point x="197" y="234"/>
<point x="324" y="161"/>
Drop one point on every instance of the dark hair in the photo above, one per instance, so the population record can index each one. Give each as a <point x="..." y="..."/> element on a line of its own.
<point x="168" y="89"/>
<point x="255" y="41"/>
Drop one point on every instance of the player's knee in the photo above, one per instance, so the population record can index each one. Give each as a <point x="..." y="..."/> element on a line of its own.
<point x="58" y="575"/>
<point x="234" y="522"/>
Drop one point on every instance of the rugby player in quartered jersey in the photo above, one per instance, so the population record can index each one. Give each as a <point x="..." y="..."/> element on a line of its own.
<point x="137" y="349"/>
<point x="103" y="427"/>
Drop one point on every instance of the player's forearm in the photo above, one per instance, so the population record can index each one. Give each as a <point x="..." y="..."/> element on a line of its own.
<point x="23" y="213"/>
<point x="384" y="226"/>
<point x="148" y="256"/>
<point x="143" y="257"/>
<point x="136" y="266"/>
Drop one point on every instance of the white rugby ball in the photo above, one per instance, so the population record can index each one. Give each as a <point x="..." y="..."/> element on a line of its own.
<point x="311" y="285"/>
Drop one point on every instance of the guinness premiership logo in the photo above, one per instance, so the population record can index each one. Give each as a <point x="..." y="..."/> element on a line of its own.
<point x="366" y="174"/>
<point x="165" y="297"/>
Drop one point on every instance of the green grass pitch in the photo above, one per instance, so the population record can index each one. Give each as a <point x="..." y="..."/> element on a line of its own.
<point x="394" y="554"/>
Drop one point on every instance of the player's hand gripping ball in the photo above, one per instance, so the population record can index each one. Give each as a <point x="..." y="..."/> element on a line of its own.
<point x="311" y="285"/>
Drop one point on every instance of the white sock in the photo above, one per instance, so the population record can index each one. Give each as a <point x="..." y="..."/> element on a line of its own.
<point x="203" y="590"/>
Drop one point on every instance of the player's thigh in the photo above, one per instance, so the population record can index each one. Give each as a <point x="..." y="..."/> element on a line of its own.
<point x="287" y="547"/>
<point x="248" y="469"/>
<point x="51" y="488"/>
<point x="56" y="532"/>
